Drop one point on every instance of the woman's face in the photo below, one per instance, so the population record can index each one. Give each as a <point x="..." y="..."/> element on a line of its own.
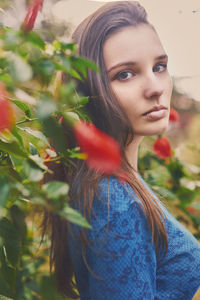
<point x="136" y="64"/>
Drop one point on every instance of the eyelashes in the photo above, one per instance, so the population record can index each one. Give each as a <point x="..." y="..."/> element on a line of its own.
<point x="124" y="75"/>
<point x="127" y="74"/>
<point x="162" y="65"/>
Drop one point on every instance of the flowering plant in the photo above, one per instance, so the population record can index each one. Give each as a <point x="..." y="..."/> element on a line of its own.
<point x="162" y="147"/>
<point x="172" y="179"/>
<point x="173" y="115"/>
<point x="30" y="86"/>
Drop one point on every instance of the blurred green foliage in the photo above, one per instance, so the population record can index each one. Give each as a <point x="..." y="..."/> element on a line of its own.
<point x="31" y="70"/>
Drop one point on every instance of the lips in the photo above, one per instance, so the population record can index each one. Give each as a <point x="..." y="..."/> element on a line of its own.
<point x="155" y="108"/>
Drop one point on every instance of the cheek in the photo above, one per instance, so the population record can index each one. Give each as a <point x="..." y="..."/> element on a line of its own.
<point x="126" y="95"/>
<point x="117" y="92"/>
<point x="169" y="87"/>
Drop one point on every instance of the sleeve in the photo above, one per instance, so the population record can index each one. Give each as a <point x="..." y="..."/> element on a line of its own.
<point x="125" y="262"/>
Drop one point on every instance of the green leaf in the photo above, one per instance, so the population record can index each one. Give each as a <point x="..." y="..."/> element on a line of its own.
<point x="89" y="64"/>
<point x="45" y="109"/>
<point x="74" y="74"/>
<point x="21" y="188"/>
<point x="35" y="39"/>
<point x="186" y="195"/>
<point x="12" y="146"/>
<point x="176" y="169"/>
<point x="10" y="171"/>
<point x="67" y="95"/>
<point x="32" y="172"/>
<point x="38" y="200"/>
<point x="24" y="107"/>
<point x="12" y="39"/>
<point x="16" y="134"/>
<point x="68" y="46"/>
<point x="45" y="68"/>
<point x="158" y="176"/>
<point x="3" y="62"/>
<point x="38" y="161"/>
<point x="4" y="190"/>
<point x="7" y="167"/>
<point x="34" y="55"/>
<point x="84" y="115"/>
<point x="83" y="100"/>
<point x="82" y="64"/>
<point x="18" y="219"/>
<point x="11" y="241"/>
<point x="35" y="133"/>
<point x="54" y="131"/>
<point x="7" y="79"/>
<point x="55" y="189"/>
<point x="75" y="153"/>
<point x="20" y="70"/>
<point x="23" y="50"/>
<point x="33" y="149"/>
<point x="66" y="65"/>
<point x="74" y="216"/>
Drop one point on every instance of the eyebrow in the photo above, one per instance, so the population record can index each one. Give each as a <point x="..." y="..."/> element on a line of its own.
<point x="128" y="63"/>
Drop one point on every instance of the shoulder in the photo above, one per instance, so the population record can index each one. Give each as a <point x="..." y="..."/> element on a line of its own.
<point x="115" y="202"/>
<point x="116" y="194"/>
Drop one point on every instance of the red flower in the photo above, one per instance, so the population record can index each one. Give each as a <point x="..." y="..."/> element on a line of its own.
<point x="32" y="11"/>
<point x="174" y="115"/>
<point x="7" y="117"/>
<point x="103" y="152"/>
<point x="48" y="156"/>
<point x="162" y="147"/>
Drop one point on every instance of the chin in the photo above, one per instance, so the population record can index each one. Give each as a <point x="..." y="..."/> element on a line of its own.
<point x="155" y="128"/>
<point x="159" y="130"/>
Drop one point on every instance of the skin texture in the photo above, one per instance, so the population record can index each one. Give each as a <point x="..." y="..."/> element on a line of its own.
<point x="141" y="86"/>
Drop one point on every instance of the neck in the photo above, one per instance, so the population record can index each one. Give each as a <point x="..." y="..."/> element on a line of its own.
<point x="132" y="152"/>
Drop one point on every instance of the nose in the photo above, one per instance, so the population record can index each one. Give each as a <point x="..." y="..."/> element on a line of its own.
<point x="153" y="86"/>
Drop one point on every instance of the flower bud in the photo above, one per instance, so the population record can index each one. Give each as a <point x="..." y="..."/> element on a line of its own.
<point x="103" y="152"/>
<point x="173" y="115"/>
<point x="162" y="147"/>
<point x="7" y="117"/>
<point x="32" y="12"/>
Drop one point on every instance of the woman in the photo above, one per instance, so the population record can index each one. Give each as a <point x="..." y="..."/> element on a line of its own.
<point x="136" y="249"/>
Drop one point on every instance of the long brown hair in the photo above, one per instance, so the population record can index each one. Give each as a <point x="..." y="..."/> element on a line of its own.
<point x="108" y="116"/>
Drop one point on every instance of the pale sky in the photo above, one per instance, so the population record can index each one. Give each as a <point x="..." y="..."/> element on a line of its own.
<point x="177" y="23"/>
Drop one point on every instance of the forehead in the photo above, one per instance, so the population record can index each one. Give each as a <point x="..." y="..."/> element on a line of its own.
<point x="132" y="43"/>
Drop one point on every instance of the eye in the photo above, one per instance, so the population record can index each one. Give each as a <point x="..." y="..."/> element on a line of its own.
<point x="162" y="68"/>
<point x="124" y="75"/>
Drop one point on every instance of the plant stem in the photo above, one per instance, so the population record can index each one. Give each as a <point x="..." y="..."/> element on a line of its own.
<point x="26" y="120"/>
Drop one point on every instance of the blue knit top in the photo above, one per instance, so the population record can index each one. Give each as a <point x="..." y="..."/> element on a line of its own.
<point x="123" y="260"/>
